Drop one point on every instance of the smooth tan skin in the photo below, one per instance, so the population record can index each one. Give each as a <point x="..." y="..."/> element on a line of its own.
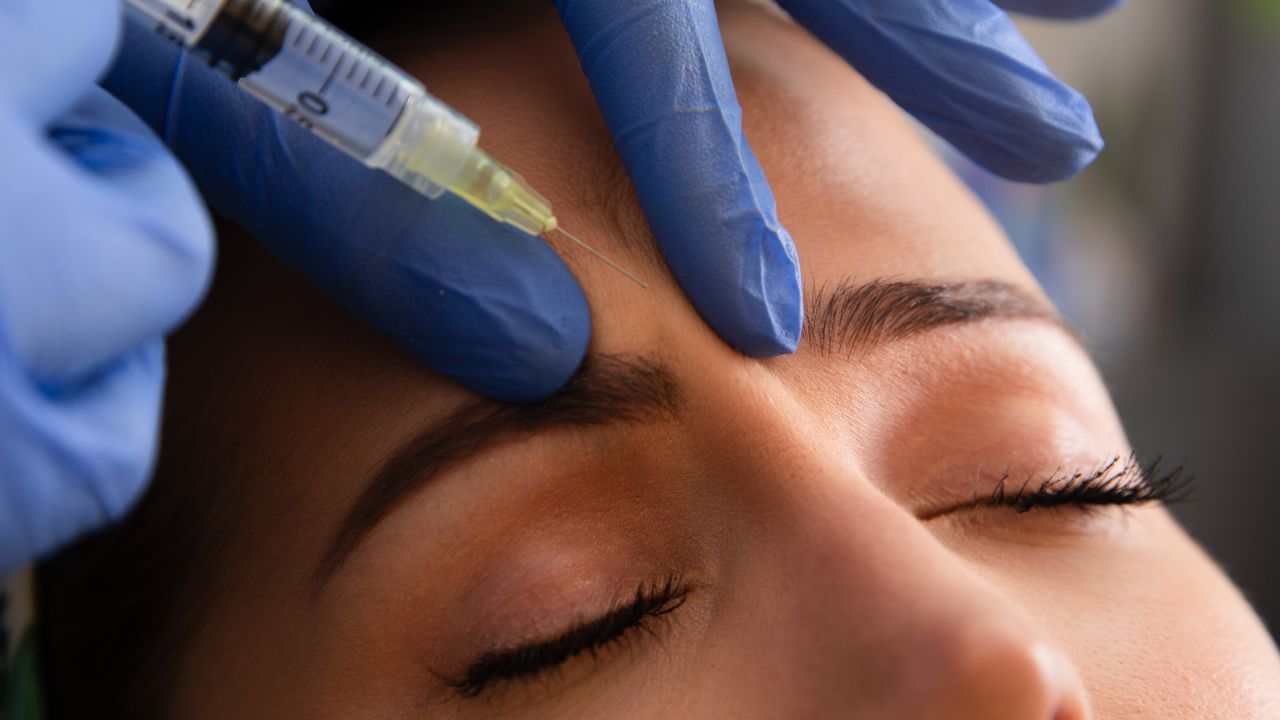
<point x="786" y="491"/>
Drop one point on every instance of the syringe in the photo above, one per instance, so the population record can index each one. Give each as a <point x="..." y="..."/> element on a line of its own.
<point x="335" y="87"/>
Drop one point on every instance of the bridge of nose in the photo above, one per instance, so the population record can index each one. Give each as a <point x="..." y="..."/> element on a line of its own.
<point x="846" y="593"/>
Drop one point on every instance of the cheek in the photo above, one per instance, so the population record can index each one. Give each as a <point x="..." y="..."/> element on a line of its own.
<point x="1182" y="641"/>
<point x="1154" y="627"/>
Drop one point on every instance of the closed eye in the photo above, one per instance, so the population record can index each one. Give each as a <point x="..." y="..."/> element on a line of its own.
<point x="528" y="661"/>
<point x="1122" y="481"/>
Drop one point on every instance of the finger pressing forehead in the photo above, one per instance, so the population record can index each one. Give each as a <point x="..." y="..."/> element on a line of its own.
<point x="856" y="182"/>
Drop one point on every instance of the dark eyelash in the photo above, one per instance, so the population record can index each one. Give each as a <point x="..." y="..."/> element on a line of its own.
<point x="1122" y="481"/>
<point x="526" y="661"/>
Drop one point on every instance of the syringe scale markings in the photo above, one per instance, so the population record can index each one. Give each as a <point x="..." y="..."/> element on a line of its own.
<point x="337" y="65"/>
<point x="410" y="135"/>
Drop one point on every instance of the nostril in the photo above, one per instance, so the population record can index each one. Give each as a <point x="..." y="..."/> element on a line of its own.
<point x="1076" y="711"/>
<point x="1062" y="680"/>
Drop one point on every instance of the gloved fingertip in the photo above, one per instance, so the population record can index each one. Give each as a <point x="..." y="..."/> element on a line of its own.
<point x="513" y="327"/>
<point x="1070" y="162"/>
<point x="772" y="307"/>
<point x="964" y="69"/>
<point x="661" y="77"/>
<point x="1061" y="9"/>
<point x="1056" y="149"/>
<point x="1035" y="129"/>
<point x="540" y="353"/>
<point x="750" y="291"/>
<point x="493" y="308"/>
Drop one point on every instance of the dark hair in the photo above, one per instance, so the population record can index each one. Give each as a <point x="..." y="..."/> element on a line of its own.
<point x="115" y="607"/>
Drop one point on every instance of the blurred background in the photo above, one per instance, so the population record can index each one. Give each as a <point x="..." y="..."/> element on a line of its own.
<point x="1166" y="253"/>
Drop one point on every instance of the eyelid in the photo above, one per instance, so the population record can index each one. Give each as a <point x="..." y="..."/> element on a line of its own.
<point x="527" y="661"/>
<point x="1114" y="483"/>
<point x="1120" y="481"/>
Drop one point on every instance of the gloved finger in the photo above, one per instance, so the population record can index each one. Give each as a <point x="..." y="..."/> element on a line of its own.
<point x="1061" y="9"/>
<point x="964" y="70"/>
<point x="494" y="308"/>
<point x="659" y="73"/>
<point x="51" y="50"/>
<point x="108" y="243"/>
<point x="78" y="459"/>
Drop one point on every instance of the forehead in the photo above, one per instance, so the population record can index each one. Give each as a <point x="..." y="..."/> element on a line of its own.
<point x="321" y="403"/>
<point x="856" y="185"/>
<point x="855" y="181"/>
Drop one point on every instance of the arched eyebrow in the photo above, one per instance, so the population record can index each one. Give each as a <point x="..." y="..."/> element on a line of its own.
<point x="611" y="390"/>
<point x="852" y="318"/>
<point x="606" y="390"/>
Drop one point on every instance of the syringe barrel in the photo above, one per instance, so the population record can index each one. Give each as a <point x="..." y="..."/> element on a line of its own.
<point x="319" y="77"/>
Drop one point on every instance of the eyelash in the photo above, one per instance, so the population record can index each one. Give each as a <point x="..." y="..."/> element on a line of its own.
<point x="650" y="602"/>
<point x="1114" y="483"/>
<point x="1122" y="481"/>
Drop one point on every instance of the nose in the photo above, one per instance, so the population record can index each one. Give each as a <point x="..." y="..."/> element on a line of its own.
<point x="856" y="607"/>
<point x="991" y="673"/>
<point x="909" y="630"/>
<point x="875" y="616"/>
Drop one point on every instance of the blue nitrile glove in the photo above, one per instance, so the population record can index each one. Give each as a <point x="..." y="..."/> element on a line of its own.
<point x="495" y="308"/>
<point x="104" y="247"/>
<point x="659" y="73"/>
<point x="1060" y="9"/>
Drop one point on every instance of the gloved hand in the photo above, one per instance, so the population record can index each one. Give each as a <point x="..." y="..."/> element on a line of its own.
<point x="659" y="73"/>
<point x="104" y="246"/>
<point x="495" y="308"/>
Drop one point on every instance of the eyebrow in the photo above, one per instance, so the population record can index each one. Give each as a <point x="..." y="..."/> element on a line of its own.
<point x="617" y="390"/>
<point x="851" y="318"/>
<point x="606" y="390"/>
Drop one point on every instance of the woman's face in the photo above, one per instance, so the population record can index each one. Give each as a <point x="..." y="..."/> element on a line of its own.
<point x="687" y="532"/>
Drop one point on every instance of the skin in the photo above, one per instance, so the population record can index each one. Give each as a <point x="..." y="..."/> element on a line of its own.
<point x="788" y="494"/>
